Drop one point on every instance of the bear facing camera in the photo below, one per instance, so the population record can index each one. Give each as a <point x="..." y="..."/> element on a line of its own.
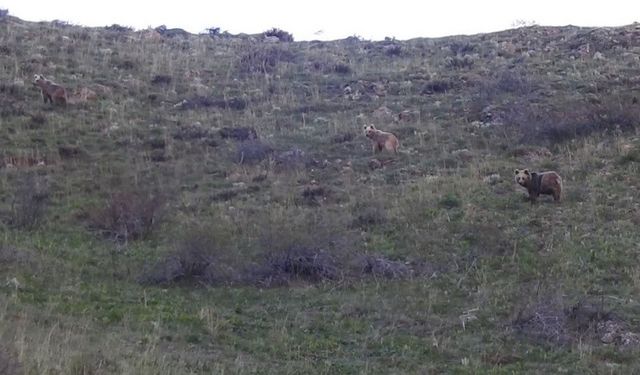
<point x="537" y="183"/>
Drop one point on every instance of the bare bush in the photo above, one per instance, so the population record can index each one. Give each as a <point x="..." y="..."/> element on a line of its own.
<point x="161" y="79"/>
<point x="297" y="263"/>
<point x="30" y="201"/>
<point x="547" y="321"/>
<point x="239" y="134"/>
<point x="282" y="35"/>
<point x="458" y="63"/>
<point x="127" y="215"/>
<point x="9" y="364"/>
<point x="264" y="59"/>
<point x="190" y="262"/>
<point x="117" y="28"/>
<point x="573" y="120"/>
<point x="382" y="267"/>
<point x="252" y="151"/>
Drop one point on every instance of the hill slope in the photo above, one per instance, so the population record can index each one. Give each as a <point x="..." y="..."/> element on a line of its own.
<point x="216" y="208"/>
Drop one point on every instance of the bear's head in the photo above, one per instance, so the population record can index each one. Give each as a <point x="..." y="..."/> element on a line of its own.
<point x="523" y="177"/>
<point x="369" y="130"/>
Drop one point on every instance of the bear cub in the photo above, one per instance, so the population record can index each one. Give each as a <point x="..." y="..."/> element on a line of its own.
<point x="381" y="140"/>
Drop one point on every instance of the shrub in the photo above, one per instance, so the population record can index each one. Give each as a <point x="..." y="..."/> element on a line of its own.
<point x="297" y="263"/>
<point x="458" y="62"/>
<point x="160" y="79"/>
<point x="252" y="151"/>
<point x="4" y="13"/>
<point x="572" y="120"/>
<point x="264" y="59"/>
<point x="30" y="201"/>
<point x="436" y="87"/>
<point x="282" y="35"/>
<point x="342" y="68"/>
<point x="189" y="262"/>
<point x="213" y="31"/>
<point x="127" y="215"/>
<point x="9" y="364"/>
<point x="117" y="28"/>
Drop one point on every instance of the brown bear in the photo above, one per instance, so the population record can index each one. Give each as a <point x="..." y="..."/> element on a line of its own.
<point x="538" y="183"/>
<point x="381" y="140"/>
<point x="51" y="91"/>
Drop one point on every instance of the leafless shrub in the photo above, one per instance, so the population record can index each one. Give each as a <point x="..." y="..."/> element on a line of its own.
<point x="543" y="322"/>
<point x="190" y="262"/>
<point x="461" y="48"/>
<point x="282" y="35"/>
<point x="161" y="79"/>
<point x="252" y="152"/>
<point x="9" y="364"/>
<point x="436" y="87"/>
<point x="117" y="28"/>
<point x="574" y="120"/>
<point x="547" y="321"/>
<point x="368" y="214"/>
<point x="239" y="134"/>
<point x="192" y="131"/>
<point x="291" y="159"/>
<point x="213" y="32"/>
<point x="377" y="266"/>
<point x="264" y="59"/>
<point x="341" y="68"/>
<point x="343" y="137"/>
<point x="393" y="50"/>
<point x="297" y="263"/>
<point x="458" y="63"/>
<point x="127" y="215"/>
<point x="30" y="201"/>
<point x="10" y="255"/>
<point x="60" y="24"/>
<point x="313" y="195"/>
<point x="171" y="33"/>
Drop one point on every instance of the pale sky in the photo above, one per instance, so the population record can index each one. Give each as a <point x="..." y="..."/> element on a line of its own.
<point x="332" y="19"/>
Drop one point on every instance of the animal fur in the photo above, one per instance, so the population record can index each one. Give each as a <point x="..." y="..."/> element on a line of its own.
<point x="537" y="183"/>
<point x="51" y="92"/>
<point x="381" y="140"/>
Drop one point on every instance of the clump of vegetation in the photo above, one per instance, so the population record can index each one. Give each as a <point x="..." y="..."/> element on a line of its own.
<point x="30" y="201"/>
<point x="282" y="35"/>
<point x="127" y="215"/>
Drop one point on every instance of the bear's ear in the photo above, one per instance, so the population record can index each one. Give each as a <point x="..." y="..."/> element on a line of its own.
<point x="517" y="171"/>
<point x="526" y="171"/>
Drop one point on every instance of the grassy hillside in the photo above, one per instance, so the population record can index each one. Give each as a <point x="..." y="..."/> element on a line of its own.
<point x="217" y="209"/>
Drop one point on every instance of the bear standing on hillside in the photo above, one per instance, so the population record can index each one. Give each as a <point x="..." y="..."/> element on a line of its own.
<point x="540" y="183"/>
<point x="51" y="91"/>
<point x="381" y="140"/>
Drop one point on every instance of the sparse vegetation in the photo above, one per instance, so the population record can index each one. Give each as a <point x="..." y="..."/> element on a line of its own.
<point x="217" y="208"/>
